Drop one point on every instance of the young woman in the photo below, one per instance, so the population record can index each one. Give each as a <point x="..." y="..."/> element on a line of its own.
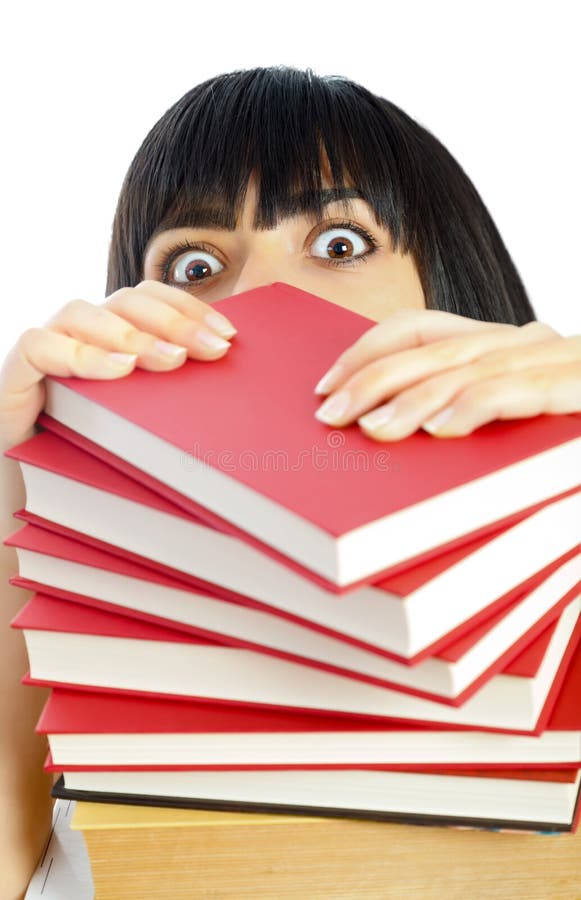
<point x="276" y="174"/>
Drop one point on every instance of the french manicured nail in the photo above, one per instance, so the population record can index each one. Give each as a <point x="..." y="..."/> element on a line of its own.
<point x="210" y="340"/>
<point x="436" y="422"/>
<point x="378" y="417"/>
<point x="123" y="359"/>
<point x="171" y="350"/>
<point x="329" y="379"/>
<point x="220" y="323"/>
<point x="334" y="408"/>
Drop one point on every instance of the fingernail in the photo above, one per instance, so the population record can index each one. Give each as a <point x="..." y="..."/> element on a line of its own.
<point x="436" y="422"/>
<point x="378" y="417"/>
<point x="334" y="408"/>
<point x="123" y="359"/>
<point x="220" y="324"/>
<point x="211" y="340"/>
<point x="167" y="349"/>
<point x="330" y="378"/>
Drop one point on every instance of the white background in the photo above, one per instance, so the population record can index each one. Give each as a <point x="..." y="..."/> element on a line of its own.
<point x="82" y="85"/>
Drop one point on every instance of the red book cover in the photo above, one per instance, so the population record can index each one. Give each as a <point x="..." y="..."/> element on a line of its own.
<point x="330" y="518"/>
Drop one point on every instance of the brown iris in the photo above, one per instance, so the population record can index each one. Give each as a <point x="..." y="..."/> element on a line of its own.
<point x="338" y="248"/>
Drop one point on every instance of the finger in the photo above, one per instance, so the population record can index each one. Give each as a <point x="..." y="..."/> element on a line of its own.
<point x="401" y="330"/>
<point x="184" y="302"/>
<point x="532" y="392"/>
<point x="100" y="327"/>
<point x="385" y="377"/>
<point x="41" y="352"/>
<point x="155" y="316"/>
<point x="419" y="403"/>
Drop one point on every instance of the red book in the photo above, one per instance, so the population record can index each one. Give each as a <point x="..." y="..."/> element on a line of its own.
<point x="67" y="644"/>
<point x="410" y="615"/>
<point x="92" y="728"/>
<point x="65" y="568"/>
<point x="236" y="442"/>
<point x="566" y="774"/>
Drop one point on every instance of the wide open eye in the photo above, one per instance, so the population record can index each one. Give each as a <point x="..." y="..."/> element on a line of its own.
<point x="343" y="241"/>
<point x="188" y="263"/>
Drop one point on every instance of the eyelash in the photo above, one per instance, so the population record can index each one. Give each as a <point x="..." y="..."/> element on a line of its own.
<point x="173" y="252"/>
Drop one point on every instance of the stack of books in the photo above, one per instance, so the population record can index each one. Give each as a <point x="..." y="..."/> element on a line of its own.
<point x="239" y="608"/>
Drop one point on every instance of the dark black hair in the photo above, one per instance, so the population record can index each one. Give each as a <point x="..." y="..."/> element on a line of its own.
<point x="286" y="125"/>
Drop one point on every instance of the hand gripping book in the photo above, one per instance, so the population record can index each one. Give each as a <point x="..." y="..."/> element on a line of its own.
<point x="236" y="442"/>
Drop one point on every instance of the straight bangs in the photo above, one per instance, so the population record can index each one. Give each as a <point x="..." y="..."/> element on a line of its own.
<point x="290" y="129"/>
<point x="193" y="167"/>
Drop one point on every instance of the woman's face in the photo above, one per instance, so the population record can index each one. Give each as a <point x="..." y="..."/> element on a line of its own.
<point x="323" y="257"/>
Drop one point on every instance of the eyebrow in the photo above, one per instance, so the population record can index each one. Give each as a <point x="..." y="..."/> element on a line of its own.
<point x="212" y="217"/>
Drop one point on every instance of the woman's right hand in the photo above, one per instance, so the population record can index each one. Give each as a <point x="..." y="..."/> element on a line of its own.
<point x="153" y="326"/>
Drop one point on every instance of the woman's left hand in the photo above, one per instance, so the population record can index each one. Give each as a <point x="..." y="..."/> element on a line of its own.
<point x="449" y="374"/>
